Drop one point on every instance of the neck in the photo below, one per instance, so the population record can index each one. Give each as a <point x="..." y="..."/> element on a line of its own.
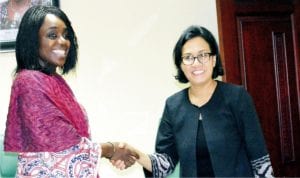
<point x="200" y="94"/>
<point x="49" y="68"/>
<point x="200" y="90"/>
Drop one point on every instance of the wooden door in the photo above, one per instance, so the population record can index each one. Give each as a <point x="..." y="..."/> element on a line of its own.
<point x="259" y="42"/>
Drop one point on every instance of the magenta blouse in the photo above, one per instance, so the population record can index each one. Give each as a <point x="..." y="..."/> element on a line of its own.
<point x="45" y="119"/>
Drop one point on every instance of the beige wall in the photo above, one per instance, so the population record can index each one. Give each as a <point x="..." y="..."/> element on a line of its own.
<point x="125" y="69"/>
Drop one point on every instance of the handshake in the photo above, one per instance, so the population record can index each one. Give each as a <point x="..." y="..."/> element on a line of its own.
<point x="121" y="155"/>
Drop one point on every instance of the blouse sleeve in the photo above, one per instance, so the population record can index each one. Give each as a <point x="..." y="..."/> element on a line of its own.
<point x="253" y="137"/>
<point x="80" y="160"/>
<point x="165" y="158"/>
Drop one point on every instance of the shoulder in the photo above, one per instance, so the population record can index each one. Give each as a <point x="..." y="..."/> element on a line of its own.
<point x="29" y="76"/>
<point x="31" y="79"/>
<point x="177" y="99"/>
<point x="231" y="89"/>
<point x="178" y="96"/>
<point x="233" y="94"/>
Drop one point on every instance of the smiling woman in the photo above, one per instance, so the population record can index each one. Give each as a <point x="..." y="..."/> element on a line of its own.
<point x="45" y="123"/>
<point x="204" y="126"/>
<point x="57" y="39"/>
<point x="54" y="43"/>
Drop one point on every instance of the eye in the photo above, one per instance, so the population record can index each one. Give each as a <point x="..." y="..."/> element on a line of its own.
<point x="66" y="35"/>
<point x="204" y="55"/>
<point x="188" y="58"/>
<point x="52" y="35"/>
<point x="201" y="55"/>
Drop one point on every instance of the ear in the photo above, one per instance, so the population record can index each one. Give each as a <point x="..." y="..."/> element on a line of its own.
<point x="214" y="60"/>
<point x="181" y="65"/>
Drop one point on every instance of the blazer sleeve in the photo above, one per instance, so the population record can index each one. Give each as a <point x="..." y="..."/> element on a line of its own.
<point x="165" y="158"/>
<point x="253" y="136"/>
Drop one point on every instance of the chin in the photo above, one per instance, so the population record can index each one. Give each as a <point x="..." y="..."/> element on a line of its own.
<point x="199" y="82"/>
<point x="61" y="66"/>
<point x="61" y="63"/>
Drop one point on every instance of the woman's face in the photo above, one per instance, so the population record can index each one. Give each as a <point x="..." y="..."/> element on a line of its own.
<point x="199" y="72"/>
<point x="54" y="42"/>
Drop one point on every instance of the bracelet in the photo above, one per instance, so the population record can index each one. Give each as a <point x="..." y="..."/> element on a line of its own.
<point x="114" y="150"/>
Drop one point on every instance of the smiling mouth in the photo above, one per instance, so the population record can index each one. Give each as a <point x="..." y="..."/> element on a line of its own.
<point x="198" y="72"/>
<point x="60" y="52"/>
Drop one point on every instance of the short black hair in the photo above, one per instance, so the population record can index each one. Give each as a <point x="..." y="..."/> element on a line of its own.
<point x="192" y="32"/>
<point x="27" y="42"/>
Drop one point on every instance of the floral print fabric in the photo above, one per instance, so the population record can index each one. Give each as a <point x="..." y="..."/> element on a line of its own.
<point x="80" y="160"/>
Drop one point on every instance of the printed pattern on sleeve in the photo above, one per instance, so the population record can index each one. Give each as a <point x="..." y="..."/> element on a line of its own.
<point x="162" y="165"/>
<point x="262" y="167"/>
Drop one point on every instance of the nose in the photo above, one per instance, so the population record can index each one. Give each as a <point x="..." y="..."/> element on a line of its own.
<point x="62" y="40"/>
<point x="197" y="60"/>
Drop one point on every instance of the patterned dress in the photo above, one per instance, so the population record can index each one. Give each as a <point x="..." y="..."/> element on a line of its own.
<point x="80" y="160"/>
<point x="48" y="129"/>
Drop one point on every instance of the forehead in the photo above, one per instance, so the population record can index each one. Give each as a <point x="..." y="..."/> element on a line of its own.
<point x="195" y="44"/>
<point x="52" y="21"/>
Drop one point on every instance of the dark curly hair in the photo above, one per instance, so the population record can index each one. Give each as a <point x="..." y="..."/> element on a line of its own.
<point x="27" y="42"/>
<point x="189" y="33"/>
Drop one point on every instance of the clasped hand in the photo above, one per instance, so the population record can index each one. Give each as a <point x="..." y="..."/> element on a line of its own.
<point x="124" y="156"/>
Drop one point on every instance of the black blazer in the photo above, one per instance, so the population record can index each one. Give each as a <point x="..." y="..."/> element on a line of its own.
<point x="231" y="126"/>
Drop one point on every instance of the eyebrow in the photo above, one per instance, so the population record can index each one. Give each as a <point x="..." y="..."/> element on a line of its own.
<point x="55" y="27"/>
<point x="201" y="51"/>
<point x="52" y="27"/>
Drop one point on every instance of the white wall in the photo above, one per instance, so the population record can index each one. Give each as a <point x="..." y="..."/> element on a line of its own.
<point x="125" y="69"/>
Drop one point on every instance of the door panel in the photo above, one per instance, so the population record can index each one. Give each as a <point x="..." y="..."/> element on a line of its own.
<point x="259" y="52"/>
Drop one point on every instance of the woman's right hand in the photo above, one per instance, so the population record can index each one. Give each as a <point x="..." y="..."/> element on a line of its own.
<point x="124" y="156"/>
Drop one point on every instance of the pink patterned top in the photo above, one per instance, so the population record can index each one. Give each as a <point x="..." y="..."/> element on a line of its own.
<point x="48" y="128"/>
<point x="43" y="114"/>
<point x="80" y="160"/>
